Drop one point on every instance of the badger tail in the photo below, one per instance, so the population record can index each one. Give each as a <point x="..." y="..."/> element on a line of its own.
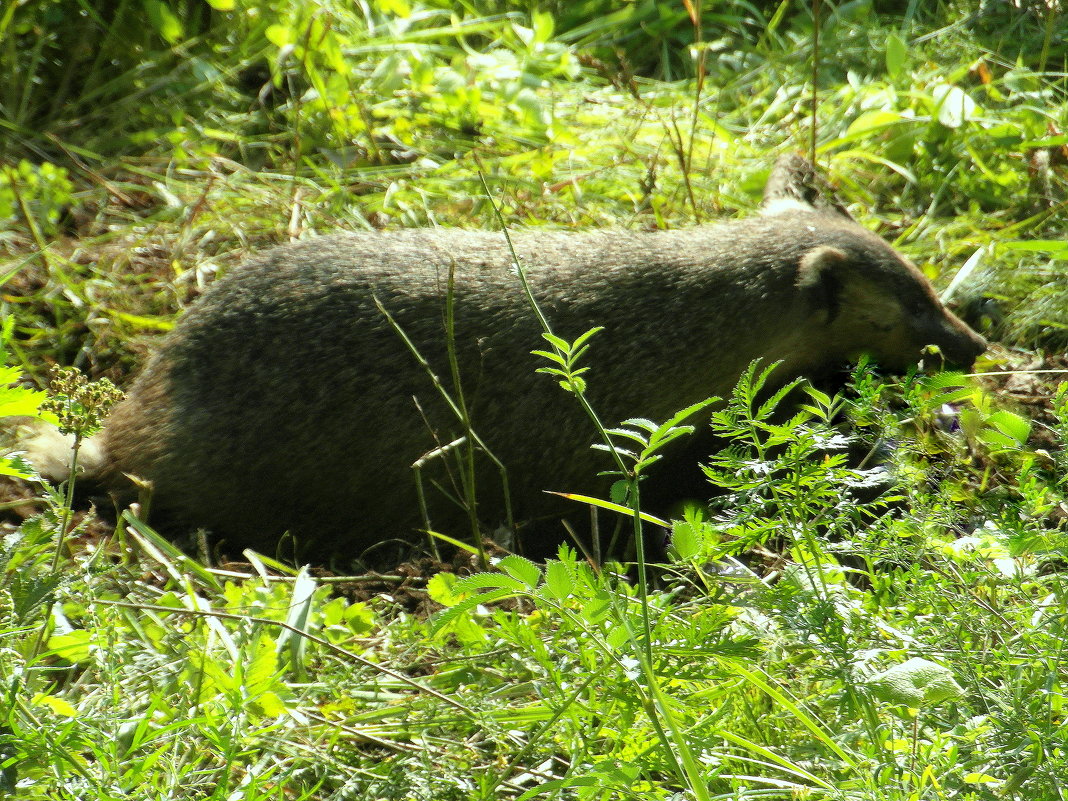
<point x="48" y="451"/>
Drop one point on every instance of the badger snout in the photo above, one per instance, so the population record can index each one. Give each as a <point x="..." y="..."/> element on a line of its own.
<point x="961" y="346"/>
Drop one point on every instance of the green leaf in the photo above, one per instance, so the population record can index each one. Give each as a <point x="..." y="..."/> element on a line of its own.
<point x="873" y="121"/>
<point x="557" y="342"/>
<point x="163" y="20"/>
<point x="58" y="705"/>
<point x="543" y="26"/>
<point x="361" y="618"/>
<point x="896" y="53"/>
<point x="221" y="5"/>
<point x="483" y="581"/>
<point x="269" y="705"/>
<point x="522" y="569"/>
<point x="559" y="583"/>
<point x="141" y="321"/>
<point x="19" y="401"/>
<point x="597" y="608"/>
<point x="398" y="8"/>
<point x="442" y="589"/>
<point x="953" y="105"/>
<point x="72" y="646"/>
<point x="684" y="541"/>
<point x="1011" y="425"/>
<point x="1056" y="248"/>
<point x="612" y="507"/>
<point x="915" y="683"/>
<point x="300" y="609"/>
<point x="279" y="35"/>
<point x="444" y="618"/>
<point x="261" y="669"/>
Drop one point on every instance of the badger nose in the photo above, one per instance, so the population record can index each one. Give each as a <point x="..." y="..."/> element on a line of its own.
<point x="969" y="346"/>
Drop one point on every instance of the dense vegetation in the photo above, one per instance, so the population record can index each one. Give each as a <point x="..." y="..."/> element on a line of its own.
<point x="891" y="628"/>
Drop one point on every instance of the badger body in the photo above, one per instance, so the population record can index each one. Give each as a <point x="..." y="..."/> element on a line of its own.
<point x="285" y="400"/>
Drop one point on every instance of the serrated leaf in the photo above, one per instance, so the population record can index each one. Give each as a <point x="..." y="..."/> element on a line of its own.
<point x="556" y="341"/>
<point x="551" y="356"/>
<point x="559" y="583"/>
<point x="522" y="569"/>
<point x="997" y="440"/>
<point x="642" y="423"/>
<point x="634" y="436"/>
<point x="442" y="589"/>
<point x="597" y="608"/>
<point x="684" y="541"/>
<point x="693" y="408"/>
<point x="447" y="616"/>
<point x="769" y="406"/>
<point x="1012" y="425"/>
<point x="483" y="581"/>
<point x="584" y="337"/>
<point x="19" y="401"/>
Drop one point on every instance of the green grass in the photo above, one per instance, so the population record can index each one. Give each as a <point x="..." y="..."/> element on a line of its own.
<point x="138" y="161"/>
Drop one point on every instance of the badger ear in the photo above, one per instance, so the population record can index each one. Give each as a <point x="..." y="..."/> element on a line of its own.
<point x="795" y="185"/>
<point x="820" y="266"/>
<point x="820" y="274"/>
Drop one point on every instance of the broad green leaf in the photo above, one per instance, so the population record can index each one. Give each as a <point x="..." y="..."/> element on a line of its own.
<point x="442" y="589"/>
<point x="915" y="683"/>
<point x="164" y="21"/>
<point x="360" y="617"/>
<point x="685" y="541"/>
<point x="279" y="35"/>
<point x="19" y="401"/>
<point x="558" y="581"/>
<point x="58" y="705"/>
<point x="873" y="121"/>
<point x="398" y="8"/>
<point x="269" y="705"/>
<point x="1012" y="425"/>
<point x="597" y="608"/>
<point x="896" y="53"/>
<point x="543" y="26"/>
<point x="72" y="645"/>
<point x="260" y="671"/>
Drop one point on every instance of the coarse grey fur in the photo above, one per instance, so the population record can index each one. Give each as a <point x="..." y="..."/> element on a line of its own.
<point x="283" y="400"/>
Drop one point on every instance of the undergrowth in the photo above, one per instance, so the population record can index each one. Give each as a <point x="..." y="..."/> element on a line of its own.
<point x="893" y="645"/>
